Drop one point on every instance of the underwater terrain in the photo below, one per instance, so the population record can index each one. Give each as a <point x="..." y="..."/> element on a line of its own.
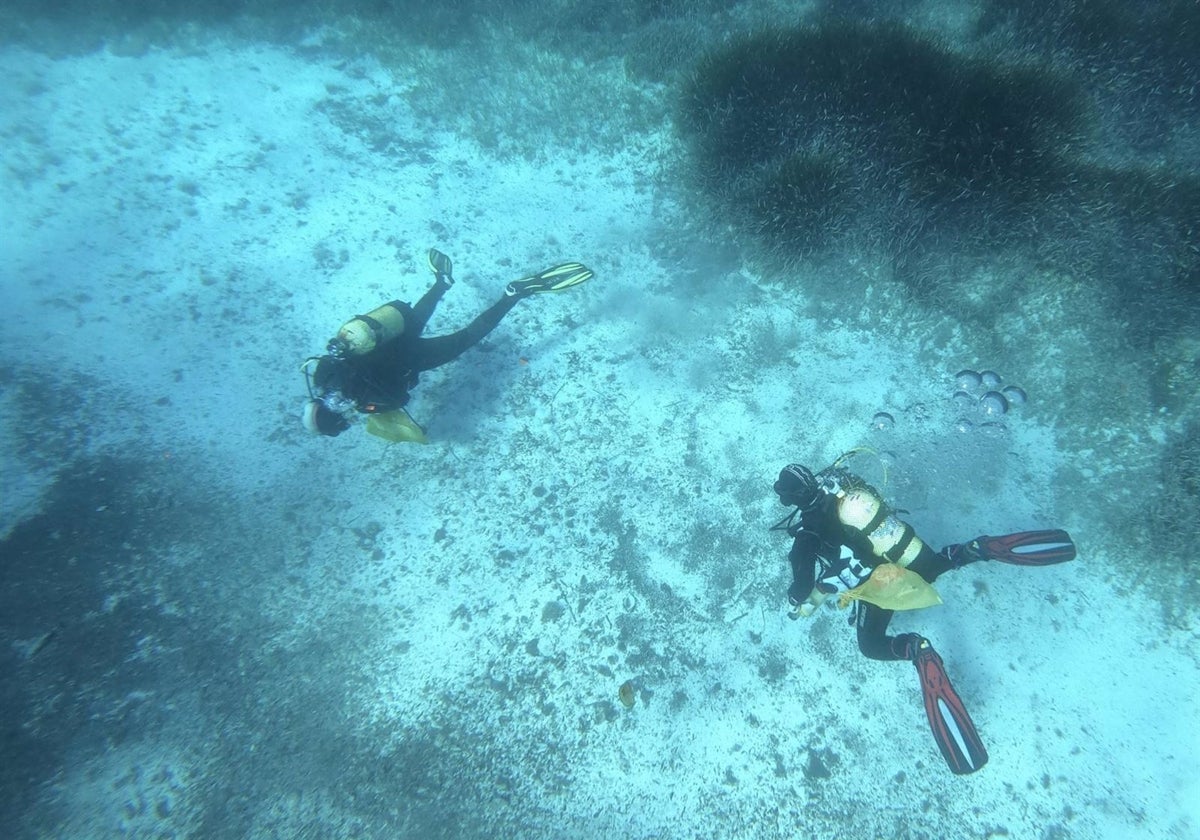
<point x="960" y="237"/>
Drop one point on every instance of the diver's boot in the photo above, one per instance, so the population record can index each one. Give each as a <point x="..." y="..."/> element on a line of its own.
<point x="906" y="646"/>
<point x="960" y="554"/>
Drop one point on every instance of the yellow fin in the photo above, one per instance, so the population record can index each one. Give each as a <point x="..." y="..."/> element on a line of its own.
<point x="396" y="426"/>
<point x="893" y="587"/>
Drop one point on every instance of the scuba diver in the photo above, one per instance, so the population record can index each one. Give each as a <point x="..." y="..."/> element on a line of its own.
<point x="374" y="361"/>
<point x="848" y="542"/>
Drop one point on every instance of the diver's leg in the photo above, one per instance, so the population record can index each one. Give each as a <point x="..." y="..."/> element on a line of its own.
<point x="871" y="624"/>
<point x="930" y="564"/>
<point x="872" y="621"/>
<point x="424" y="307"/>
<point x="428" y="353"/>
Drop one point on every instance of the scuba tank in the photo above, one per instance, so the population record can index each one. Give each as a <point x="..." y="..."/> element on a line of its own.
<point x="861" y="507"/>
<point x="363" y="333"/>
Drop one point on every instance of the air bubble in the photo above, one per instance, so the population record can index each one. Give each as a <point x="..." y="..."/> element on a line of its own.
<point x="990" y="379"/>
<point x="993" y="404"/>
<point x="1015" y="395"/>
<point x="963" y="401"/>
<point x="882" y="421"/>
<point x="967" y="379"/>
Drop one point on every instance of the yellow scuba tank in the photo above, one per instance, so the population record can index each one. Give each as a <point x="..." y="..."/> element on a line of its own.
<point x="363" y="333"/>
<point x="859" y="507"/>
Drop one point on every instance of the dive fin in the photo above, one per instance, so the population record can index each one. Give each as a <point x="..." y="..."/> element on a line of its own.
<point x="952" y="727"/>
<point x="1029" y="548"/>
<point x="441" y="266"/>
<point x="551" y="280"/>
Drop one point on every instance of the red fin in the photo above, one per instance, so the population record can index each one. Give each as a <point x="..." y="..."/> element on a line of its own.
<point x="952" y="727"/>
<point x="1029" y="548"/>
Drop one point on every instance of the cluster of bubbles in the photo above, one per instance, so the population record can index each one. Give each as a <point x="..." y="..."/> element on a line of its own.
<point x="981" y="398"/>
<point x="982" y="393"/>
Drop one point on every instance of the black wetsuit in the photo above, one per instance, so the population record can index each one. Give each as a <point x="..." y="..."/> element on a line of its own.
<point x="381" y="379"/>
<point x="816" y="553"/>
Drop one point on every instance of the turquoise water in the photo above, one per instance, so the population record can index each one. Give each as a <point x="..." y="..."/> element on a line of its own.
<point x="566" y="616"/>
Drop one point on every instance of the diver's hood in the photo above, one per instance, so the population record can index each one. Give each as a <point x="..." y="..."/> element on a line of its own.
<point x="319" y="420"/>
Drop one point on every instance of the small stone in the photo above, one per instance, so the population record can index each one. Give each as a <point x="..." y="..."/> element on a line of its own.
<point x="627" y="694"/>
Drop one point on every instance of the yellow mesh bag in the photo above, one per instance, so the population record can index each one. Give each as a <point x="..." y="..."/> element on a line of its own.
<point x="893" y="587"/>
<point x="396" y="426"/>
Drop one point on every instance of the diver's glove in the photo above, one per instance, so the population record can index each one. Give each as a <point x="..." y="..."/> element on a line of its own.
<point x="847" y="577"/>
<point x="799" y="607"/>
<point x="794" y="607"/>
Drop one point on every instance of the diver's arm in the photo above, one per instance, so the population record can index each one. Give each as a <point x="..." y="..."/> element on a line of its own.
<point x="821" y="554"/>
<point x="803" y="560"/>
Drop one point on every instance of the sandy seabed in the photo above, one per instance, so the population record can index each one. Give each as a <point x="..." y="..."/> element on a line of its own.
<point x="344" y="638"/>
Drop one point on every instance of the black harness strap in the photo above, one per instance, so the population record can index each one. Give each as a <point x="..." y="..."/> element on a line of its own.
<point x="897" y="551"/>
<point x="876" y="520"/>
<point x="376" y="327"/>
